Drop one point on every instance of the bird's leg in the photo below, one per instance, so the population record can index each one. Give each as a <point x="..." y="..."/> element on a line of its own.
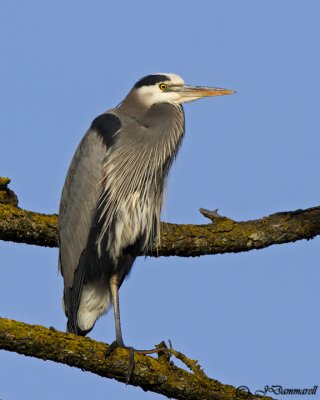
<point x="114" y="285"/>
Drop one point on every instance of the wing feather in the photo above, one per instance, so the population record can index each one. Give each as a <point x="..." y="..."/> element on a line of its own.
<point x="81" y="192"/>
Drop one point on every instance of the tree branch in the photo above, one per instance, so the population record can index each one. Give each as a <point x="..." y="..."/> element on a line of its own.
<point x="156" y="375"/>
<point x="222" y="235"/>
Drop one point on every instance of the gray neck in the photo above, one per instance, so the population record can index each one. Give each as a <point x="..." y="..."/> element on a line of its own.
<point x="137" y="167"/>
<point x="133" y="107"/>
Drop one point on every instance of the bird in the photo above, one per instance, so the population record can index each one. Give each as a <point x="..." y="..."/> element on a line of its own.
<point x="112" y="196"/>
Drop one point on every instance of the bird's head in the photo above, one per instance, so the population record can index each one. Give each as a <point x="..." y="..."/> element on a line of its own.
<point x="169" y="88"/>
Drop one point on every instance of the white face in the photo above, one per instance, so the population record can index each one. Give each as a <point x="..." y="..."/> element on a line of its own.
<point x="160" y="92"/>
<point x="172" y="90"/>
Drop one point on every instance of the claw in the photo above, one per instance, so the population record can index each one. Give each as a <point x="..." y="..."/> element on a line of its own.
<point x="110" y="349"/>
<point x="131" y="363"/>
<point x="131" y="352"/>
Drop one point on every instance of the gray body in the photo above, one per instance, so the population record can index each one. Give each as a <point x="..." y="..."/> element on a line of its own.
<point x="109" y="213"/>
<point x="112" y="196"/>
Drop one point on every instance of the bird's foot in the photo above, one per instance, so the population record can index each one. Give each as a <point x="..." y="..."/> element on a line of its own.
<point x="131" y="351"/>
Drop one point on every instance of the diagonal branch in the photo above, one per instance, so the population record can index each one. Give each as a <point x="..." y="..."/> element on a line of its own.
<point x="156" y="375"/>
<point x="222" y="235"/>
<point x="160" y="375"/>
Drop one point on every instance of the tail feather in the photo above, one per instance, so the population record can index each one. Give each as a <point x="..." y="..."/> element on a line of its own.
<point x="71" y="296"/>
<point x="90" y="295"/>
<point x="95" y="301"/>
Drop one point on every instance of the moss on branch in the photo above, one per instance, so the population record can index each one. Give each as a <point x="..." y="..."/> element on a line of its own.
<point x="151" y="374"/>
<point x="222" y="235"/>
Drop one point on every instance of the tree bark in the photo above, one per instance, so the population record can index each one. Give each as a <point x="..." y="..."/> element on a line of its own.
<point x="157" y="375"/>
<point x="222" y="235"/>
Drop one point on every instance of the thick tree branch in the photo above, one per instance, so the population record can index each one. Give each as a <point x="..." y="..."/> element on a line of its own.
<point x="159" y="375"/>
<point x="156" y="375"/>
<point x="223" y="235"/>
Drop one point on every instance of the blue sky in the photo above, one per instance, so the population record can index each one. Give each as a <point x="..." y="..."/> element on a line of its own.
<point x="250" y="319"/>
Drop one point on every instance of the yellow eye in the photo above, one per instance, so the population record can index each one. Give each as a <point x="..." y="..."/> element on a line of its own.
<point x="163" y="86"/>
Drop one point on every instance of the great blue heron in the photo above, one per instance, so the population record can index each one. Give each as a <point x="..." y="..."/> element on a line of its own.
<point x="112" y="196"/>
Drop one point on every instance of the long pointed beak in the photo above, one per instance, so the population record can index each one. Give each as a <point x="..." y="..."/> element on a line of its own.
<point x="188" y="93"/>
<point x="204" y="91"/>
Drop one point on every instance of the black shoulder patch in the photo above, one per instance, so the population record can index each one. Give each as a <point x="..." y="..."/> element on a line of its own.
<point x="151" y="80"/>
<point x="106" y="125"/>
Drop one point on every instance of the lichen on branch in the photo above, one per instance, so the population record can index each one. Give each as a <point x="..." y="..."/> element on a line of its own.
<point x="221" y="235"/>
<point x="151" y="374"/>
